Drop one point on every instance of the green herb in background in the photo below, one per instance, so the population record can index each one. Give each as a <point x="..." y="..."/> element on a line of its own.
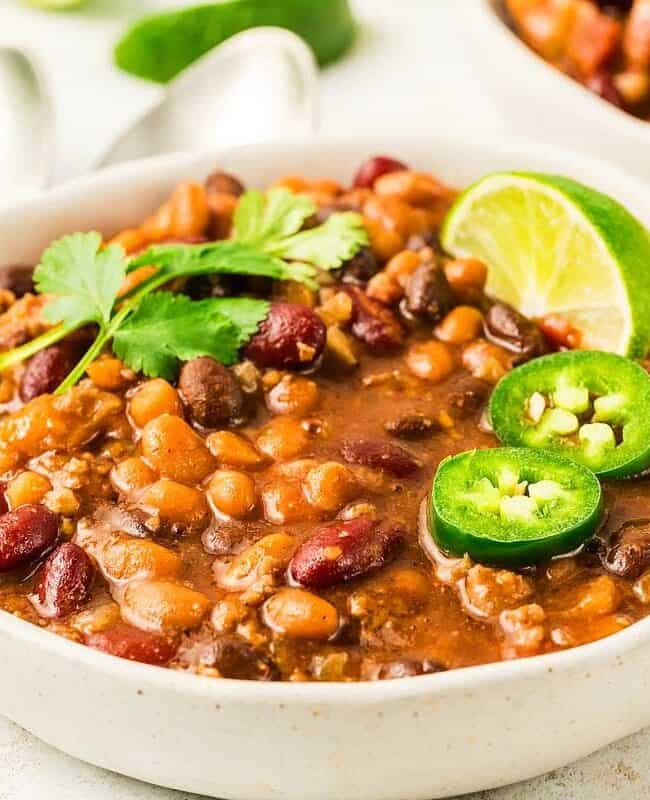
<point x="152" y="333"/>
<point x="160" y="46"/>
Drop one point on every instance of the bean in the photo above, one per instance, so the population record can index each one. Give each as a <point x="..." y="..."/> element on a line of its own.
<point x="270" y="554"/>
<point x="65" y="581"/>
<point x="234" y="450"/>
<point x="17" y="278"/>
<point x="125" y="641"/>
<point x="47" y="369"/>
<point x="109" y="373"/>
<point x="223" y="183"/>
<point x="407" y="668"/>
<point x="27" y="488"/>
<point x="153" y="398"/>
<point x="26" y="533"/>
<point x="373" y="323"/>
<point x="211" y="392"/>
<point x="402" y="266"/>
<point x="125" y="558"/>
<point x="359" y="269"/>
<point x="163" y="606"/>
<point x="467" y="274"/>
<point x="505" y="326"/>
<point x="175" y="451"/>
<point x="431" y="361"/>
<point x="284" y="502"/>
<point x="412" y="426"/>
<point x="283" y="438"/>
<point x="229" y="654"/>
<point x="629" y="552"/>
<point x="225" y="537"/>
<point x="602" y="84"/>
<point x="181" y="506"/>
<point x="428" y="294"/>
<point x="380" y="454"/>
<point x="374" y="168"/>
<point x="486" y="361"/>
<point x="291" y="337"/>
<point x="300" y="615"/>
<point x="330" y="486"/>
<point x="461" y="325"/>
<point x="232" y="493"/>
<point x="344" y="550"/>
<point x="293" y="395"/>
<point x="132" y="474"/>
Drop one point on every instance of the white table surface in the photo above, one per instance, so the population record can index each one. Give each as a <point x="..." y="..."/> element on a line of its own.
<point x="407" y="73"/>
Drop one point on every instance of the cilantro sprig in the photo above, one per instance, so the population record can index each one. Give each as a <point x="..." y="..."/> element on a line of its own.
<point x="151" y="330"/>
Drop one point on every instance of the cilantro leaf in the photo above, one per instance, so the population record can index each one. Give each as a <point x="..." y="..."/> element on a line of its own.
<point x="326" y="246"/>
<point x="261" y="218"/>
<point x="223" y="257"/>
<point x="245" y="312"/>
<point x="84" y="278"/>
<point x="167" y="328"/>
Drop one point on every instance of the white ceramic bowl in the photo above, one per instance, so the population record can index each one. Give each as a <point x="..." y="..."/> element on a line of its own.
<point x="410" y="739"/>
<point x="539" y="101"/>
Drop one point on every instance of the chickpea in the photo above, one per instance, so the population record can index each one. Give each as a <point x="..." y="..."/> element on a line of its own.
<point x="283" y="438"/>
<point x="461" y="325"/>
<point x="109" y="374"/>
<point x="163" y="606"/>
<point x="293" y="395"/>
<point x="385" y="243"/>
<point x="330" y="486"/>
<point x="152" y="399"/>
<point x="402" y="266"/>
<point x="232" y="493"/>
<point x="384" y="288"/>
<point x="466" y="274"/>
<point x="125" y="558"/>
<point x="131" y="475"/>
<point x="416" y="188"/>
<point x="177" y="504"/>
<point x="284" y="502"/>
<point x="27" y="487"/>
<point x="486" y="361"/>
<point x="431" y="361"/>
<point x="175" y="451"/>
<point x="234" y="450"/>
<point x="297" y="470"/>
<point x="300" y="615"/>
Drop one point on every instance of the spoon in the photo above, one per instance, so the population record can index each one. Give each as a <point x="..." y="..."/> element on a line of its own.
<point x="26" y="126"/>
<point x="257" y="85"/>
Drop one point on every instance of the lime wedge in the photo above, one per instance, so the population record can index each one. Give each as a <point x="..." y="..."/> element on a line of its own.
<point x="554" y="246"/>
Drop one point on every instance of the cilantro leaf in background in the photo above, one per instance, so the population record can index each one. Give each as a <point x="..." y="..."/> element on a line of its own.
<point x="326" y="246"/>
<point x="84" y="278"/>
<point x="263" y="218"/>
<point x="167" y="328"/>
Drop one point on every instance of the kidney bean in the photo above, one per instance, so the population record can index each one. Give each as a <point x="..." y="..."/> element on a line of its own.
<point x="629" y="552"/>
<point x="4" y="505"/>
<point x="223" y="183"/>
<point x="211" y="392"/>
<point x="373" y="323"/>
<point x="407" y="668"/>
<point x="47" y="369"/>
<point x="17" y="278"/>
<point x="359" y="269"/>
<point x="428" y="293"/>
<point x="26" y="533"/>
<point x="380" y="454"/>
<point x="291" y="337"/>
<point x="374" y="168"/>
<point x="412" y="426"/>
<point x="505" y="326"/>
<point x="231" y="655"/>
<point x="65" y="581"/>
<point x="125" y="641"/>
<point x="344" y="550"/>
<point x="602" y="84"/>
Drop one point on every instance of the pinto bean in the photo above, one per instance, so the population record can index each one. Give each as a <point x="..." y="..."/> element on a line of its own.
<point x="629" y="552"/>
<point x="163" y="606"/>
<point x="26" y="533"/>
<point x="47" y="369"/>
<point x="505" y="326"/>
<point x="125" y="641"/>
<point x="175" y="451"/>
<point x="300" y="615"/>
<point x="65" y="581"/>
<point x="291" y="337"/>
<point x="344" y="550"/>
<point x="374" y="323"/>
<point x="428" y="293"/>
<point x="380" y="454"/>
<point x="374" y="168"/>
<point x="211" y="392"/>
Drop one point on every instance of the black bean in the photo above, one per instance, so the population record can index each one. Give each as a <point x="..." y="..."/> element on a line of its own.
<point x="629" y="552"/>
<point x="428" y="293"/>
<point x="412" y="426"/>
<point x="505" y="326"/>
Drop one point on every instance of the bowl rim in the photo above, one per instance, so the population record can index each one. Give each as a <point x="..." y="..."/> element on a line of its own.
<point x="493" y="19"/>
<point x="366" y="693"/>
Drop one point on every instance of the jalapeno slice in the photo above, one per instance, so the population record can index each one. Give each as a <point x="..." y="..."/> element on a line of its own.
<point x="513" y="506"/>
<point x="590" y="406"/>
